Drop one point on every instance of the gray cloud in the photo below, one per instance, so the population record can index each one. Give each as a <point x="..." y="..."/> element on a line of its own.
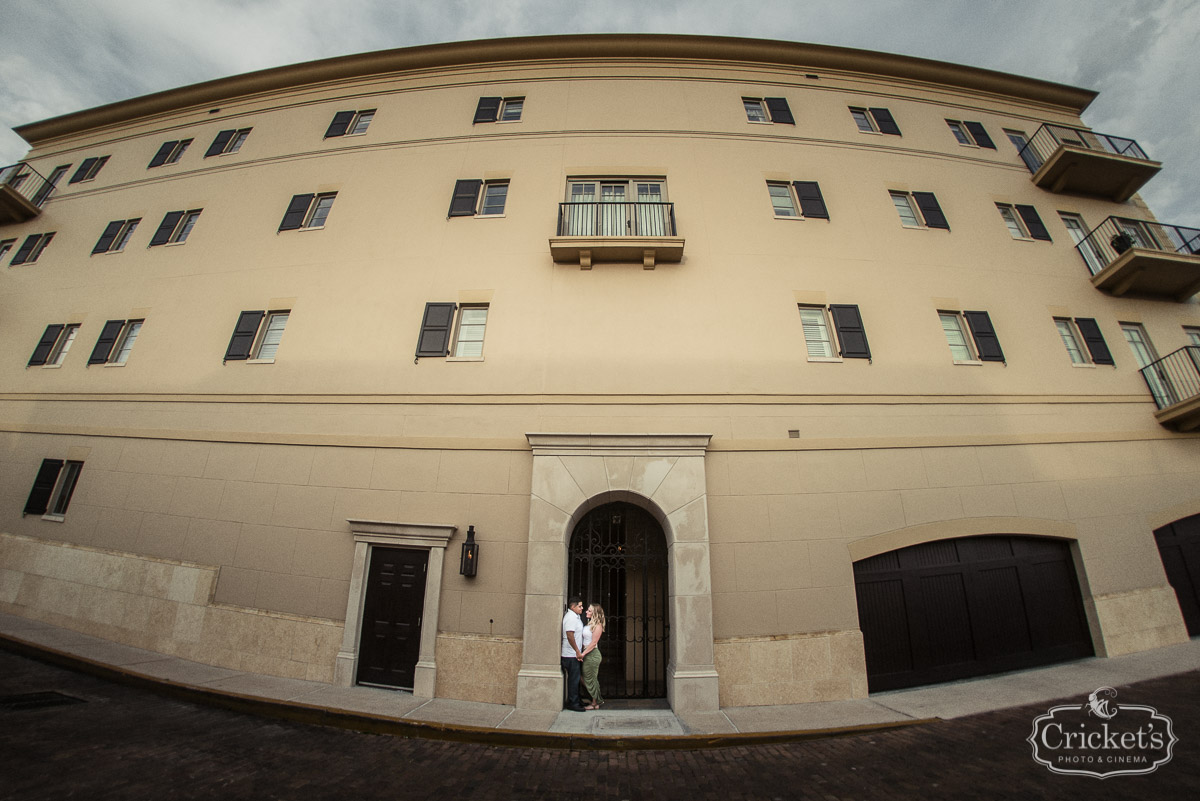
<point x="60" y="56"/>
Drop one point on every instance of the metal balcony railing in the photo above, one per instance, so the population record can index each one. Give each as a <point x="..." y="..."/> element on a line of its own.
<point x="1115" y="235"/>
<point x="1175" y="377"/>
<point x="602" y="219"/>
<point x="1048" y="138"/>
<point x="27" y="182"/>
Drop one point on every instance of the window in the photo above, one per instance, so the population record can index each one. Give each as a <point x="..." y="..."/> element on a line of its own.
<point x="53" y="346"/>
<point x="983" y="344"/>
<point x="88" y="169"/>
<point x="465" y="202"/>
<point x="40" y="196"/>
<point x="5" y="246"/>
<point x="846" y="322"/>
<point x="31" y="248"/>
<point x="227" y="142"/>
<point x="169" y="153"/>
<point x="971" y="134"/>
<point x="1023" y="222"/>
<point x="1145" y="355"/>
<point x="874" y="120"/>
<point x="768" y="109"/>
<point x="348" y="123"/>
<point x="1086" y="330"/>
<point x="1192" y="333"/>
<point x="807" y="198"/>
<point x="52" y="489"/>
<point x="616" y="207"/>
<point x="115" y="342"/>
<point x="115" y="235"/>
<point x="307" y="211"/>
<point x="919" y="210"/>
<point x="257" y="335"/>
<point x="468" y="334"/>
<point x="502" y="109"/>
<point x="1025" y="150"/>
<point x="1079" y="234"/>
<point x="175" y="227"/>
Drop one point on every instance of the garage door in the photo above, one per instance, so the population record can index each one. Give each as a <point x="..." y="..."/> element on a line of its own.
<point x="1179" y="546"/>
<point x="966" y="607"/>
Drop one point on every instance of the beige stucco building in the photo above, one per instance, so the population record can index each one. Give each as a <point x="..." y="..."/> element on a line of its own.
<point x="797" y="358"/>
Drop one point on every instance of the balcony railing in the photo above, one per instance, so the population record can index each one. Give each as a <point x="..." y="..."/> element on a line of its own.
<point x="1143" y="258"/>
<point x="599" y="231"/>
<point x="1174" y="382"/>
<point x="1075" y="160"/>
<point x="23" y="190"/>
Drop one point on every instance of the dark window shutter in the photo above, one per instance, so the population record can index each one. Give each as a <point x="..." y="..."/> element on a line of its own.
<point x="160" y="157"/>
<point x="243" y="335"/>
<point x="108" y="338"/>
<point x="930" y="210"/>
<point x="811" y="202"/>
<point x="1094" y="340"/>
<point x="1033" y="222"/>
<point x="779" y="111"/>
<point x="341" y="121"/>
<point x="106" y="239"/>
<point x="26" y="248"/>
<point x="980" y="135"/>
<point x="851" y="335"/>
<point x="293" y="218"/>
<point x="163" y="235"/>
<point x="466" y="193"/>
<point x="488" y="109"/>
<point x="435" y="329"/>
<point x="45" y="345"/>
<point x="82" y="172"/>
<point x="43" y="486"/>
<point x="986" y="341"/>
<point x="218" y="145"/>
<point x="885" y="121"/>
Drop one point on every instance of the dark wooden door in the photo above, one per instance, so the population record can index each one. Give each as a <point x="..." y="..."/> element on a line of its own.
<point x="1179" y="547"/>
<point x="392" y="611"/>
<point x="966" y="607"/>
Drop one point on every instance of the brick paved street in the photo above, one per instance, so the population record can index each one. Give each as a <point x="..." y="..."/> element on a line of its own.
<point x="129" y="744"/>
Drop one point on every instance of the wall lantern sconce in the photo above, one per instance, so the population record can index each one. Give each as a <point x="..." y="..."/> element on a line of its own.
<point x="470" y="554"/>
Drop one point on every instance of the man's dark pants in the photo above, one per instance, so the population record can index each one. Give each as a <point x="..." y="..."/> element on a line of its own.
<point x="571" y="666"/>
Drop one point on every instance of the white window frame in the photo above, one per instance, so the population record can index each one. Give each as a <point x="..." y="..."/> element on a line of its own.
<point x="265" y="328"/>
<point x="119" y="355"/>
<point x="961" y="134"/>
<point x="184" y="227"/>
<point x="760" y="103"/>
<point x="506" y="105"/>
<point x="177" y="152"/>
<point x="1192" y="332"/>
<point x="6" y="245"/>
<point x="918" y="217"/>
<point x="41" y="245"/>
<point x="1073" y="341"/>
<point x="362" y="120"/>
<point x="483" y="198"/>
<point x="58" y="353"/>
<point x="235" y="142"/>
<point x="862" y="115"/>
<point x="819" y="318"/>
<point x="964" y="331"/>
<point x="790" y="190"/>
<point x="1013" y="222"/>
<point x="94" y="170"/>
<point x="313" y="209"/>
<point x="457" y="341"/>
<point x="64" y="488"/>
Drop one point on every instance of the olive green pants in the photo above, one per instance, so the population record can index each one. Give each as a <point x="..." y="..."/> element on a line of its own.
<point x="591" y="675"/>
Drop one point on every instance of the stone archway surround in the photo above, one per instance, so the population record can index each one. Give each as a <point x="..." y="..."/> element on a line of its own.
<point x="662" y="473"/>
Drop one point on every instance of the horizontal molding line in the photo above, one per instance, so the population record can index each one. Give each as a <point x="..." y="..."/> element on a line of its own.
<point x="519" y="444"/>
<point x="513" y="399"/>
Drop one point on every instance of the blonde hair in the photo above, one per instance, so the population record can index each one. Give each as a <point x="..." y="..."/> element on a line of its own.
<point x="597" y="617"/>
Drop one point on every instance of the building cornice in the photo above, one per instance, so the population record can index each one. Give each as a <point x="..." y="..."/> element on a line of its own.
<point x="562" y="48"/>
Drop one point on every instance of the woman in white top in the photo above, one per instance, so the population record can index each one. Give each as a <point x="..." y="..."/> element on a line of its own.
<point x="591" y="654"/>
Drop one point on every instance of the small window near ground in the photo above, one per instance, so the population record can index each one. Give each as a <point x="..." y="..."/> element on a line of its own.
<point x="52" y="489"/>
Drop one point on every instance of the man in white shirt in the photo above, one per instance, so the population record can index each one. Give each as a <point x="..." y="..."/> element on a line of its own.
<point x="572" y="642"/>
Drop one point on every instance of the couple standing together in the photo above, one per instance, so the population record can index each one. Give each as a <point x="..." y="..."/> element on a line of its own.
<point x="581" y="652"/>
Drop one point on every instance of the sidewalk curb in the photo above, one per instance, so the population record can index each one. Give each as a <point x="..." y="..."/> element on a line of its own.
<point x="310" y="714"/>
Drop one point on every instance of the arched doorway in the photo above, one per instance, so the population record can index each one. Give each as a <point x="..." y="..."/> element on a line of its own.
<point x="618" y="558"/>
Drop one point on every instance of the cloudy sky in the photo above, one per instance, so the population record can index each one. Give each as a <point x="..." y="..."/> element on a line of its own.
<point x="59" y="56"/>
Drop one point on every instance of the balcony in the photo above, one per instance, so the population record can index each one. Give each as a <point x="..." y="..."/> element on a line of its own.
<point x="1138" y="257"/>
<point x="23" y="190"/>
<point x="597" y="232"/>
<point x="1174" y="382"/>
<point x="1077" y="161"/>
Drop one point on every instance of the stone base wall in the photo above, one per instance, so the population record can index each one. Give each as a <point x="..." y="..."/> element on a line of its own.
<point x="791" y="669"/>
<point x="1138" y="621"/>
<point x="478" y="668"/>
<point x="161" y="605"/>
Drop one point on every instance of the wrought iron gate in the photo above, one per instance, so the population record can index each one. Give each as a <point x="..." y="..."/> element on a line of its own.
<point x="618" y="559"/>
